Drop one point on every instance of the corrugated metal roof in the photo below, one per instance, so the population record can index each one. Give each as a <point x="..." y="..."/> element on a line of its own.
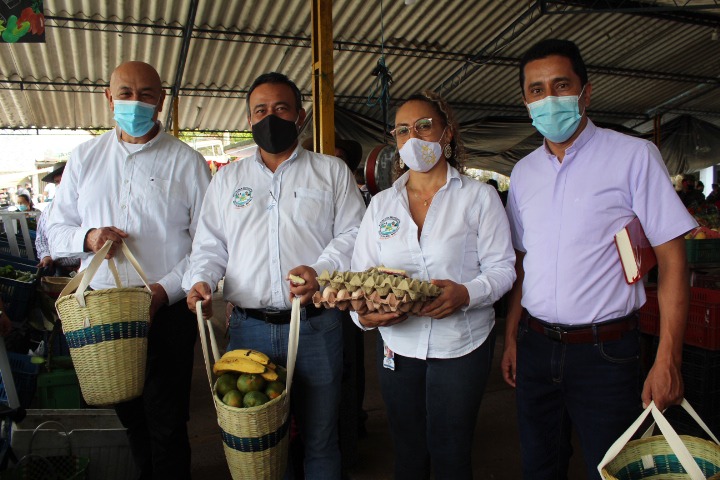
<point x="637" y="62"/>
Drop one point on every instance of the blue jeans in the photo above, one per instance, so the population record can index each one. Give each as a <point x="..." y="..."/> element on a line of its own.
<point x="316" y="383"/>
<point x="593" y="387"/>
<point x="432" y="408"/>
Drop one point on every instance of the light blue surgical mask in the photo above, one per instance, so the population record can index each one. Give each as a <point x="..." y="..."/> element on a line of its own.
<point x="134" y="118"/>
<point x="22" y="208"/>
<point x="556" y="118"/>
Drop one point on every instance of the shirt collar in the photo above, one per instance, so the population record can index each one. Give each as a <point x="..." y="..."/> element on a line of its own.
<point x="155" y="139"/>
<point x="579" y="142"/>
<point x="293" y="156"/>
<point x="453" y="176"/>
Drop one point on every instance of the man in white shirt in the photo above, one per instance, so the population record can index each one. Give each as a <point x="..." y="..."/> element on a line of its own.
<point x="284" y="211"/>
<point x="137" y="184"/>
<point x="49" y="191"/>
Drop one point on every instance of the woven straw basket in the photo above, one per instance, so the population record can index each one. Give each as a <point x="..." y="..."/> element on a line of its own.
<point x="668" y="456"/>
<point x="255" y="439"/>
<point x="106" y="331"/>
<point x="53" y="286"/>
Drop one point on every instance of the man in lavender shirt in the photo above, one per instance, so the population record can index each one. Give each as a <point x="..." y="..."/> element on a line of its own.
<point x="571" y="341"/>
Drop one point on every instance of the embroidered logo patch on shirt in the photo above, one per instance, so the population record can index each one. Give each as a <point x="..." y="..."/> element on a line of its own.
<point x="242" y="197"/>
<point x="389" y="226"/>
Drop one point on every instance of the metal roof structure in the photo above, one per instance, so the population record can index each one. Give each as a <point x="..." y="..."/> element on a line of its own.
<point x="645" y="57"/>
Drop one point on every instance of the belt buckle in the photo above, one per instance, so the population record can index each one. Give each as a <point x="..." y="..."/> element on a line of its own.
<point x="553" y="333"/>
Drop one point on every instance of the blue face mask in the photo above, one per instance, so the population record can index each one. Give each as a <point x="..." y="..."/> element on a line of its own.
<point x="134" y="118"/>
<point x="22" y="208"/>
<point x="556" y="118"/>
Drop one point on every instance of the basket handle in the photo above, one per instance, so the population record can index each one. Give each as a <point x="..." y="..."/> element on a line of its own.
<point x="691" y="411"/>
<point x="204" y="343"/>
<point x="61" y="432"/>
<point x="293" y="340"/>
<point x="676" y="444"/>
<point x="83" y="279"/>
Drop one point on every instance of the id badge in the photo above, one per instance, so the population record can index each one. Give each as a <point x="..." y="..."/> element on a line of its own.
<point x="389" y="357"/>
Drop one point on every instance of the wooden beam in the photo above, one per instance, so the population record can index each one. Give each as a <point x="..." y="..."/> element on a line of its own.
<point x="323" y="78"/>
<point x="175" y="114"/>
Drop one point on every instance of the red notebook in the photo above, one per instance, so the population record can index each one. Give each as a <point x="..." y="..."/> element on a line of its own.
<point x="637" y="256"/>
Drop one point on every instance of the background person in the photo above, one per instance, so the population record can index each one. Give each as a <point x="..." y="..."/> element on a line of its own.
<point x="139" y="185"/>
<point x="42" y="246"/>
<point x="25" y="203"/>
<point x="284" y="211"/>
<point x="452" y="230"/>
<point x="571" y="342"/>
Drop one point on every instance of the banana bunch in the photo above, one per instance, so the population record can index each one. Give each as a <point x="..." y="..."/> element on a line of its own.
<point x="245" y="360"/>
<point x="380" y="289"/>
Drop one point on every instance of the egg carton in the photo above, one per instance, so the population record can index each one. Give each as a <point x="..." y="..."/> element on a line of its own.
<point x="375" y="289"/>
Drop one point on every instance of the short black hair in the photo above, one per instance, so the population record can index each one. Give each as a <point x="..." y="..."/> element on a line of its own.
<point x="275" y="77"/>
<point x="554" y="46"/>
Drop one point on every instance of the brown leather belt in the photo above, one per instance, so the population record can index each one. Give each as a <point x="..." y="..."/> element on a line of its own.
<point x="278" y="317"/>
<point x="601" y="332"/>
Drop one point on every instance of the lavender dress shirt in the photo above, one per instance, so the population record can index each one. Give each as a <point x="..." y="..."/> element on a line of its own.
<point x="565" y="215"/>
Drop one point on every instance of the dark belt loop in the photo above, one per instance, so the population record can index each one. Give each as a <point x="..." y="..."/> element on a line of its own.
<point x="596" y="340"/>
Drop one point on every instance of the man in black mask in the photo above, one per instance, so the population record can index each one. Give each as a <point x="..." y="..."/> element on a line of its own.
<point x="285" y="211"/>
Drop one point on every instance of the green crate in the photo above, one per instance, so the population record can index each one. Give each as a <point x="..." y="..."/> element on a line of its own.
<point x="59" y="389"/>
<point x="703" y="251"/>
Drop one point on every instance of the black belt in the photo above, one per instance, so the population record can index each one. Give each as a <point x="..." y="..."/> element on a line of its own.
<point x="600" y="332"/>
<point x="278" y="317"/>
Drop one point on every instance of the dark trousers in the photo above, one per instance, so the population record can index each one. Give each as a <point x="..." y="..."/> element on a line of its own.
<point x="593" y="387"/>
<point x="156" y="422"/>
<point x="432" y="408"/>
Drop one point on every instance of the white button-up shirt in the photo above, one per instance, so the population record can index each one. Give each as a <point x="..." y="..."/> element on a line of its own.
<point x="152" y="192"/>
<point x="465" y="238"/>
<point x="565" y="216"/>
<point x="257" y="225"/>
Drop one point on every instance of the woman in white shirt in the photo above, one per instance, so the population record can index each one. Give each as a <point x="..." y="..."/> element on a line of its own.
<point x="439" y="225"/>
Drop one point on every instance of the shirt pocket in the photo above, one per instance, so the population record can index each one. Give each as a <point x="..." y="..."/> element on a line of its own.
<point x="313" y="208"/>
<point x="158" y="187"/>
<point x="594" y="218"/>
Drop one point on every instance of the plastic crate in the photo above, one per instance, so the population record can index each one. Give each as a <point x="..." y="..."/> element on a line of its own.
<point x="18" y="263"/>
<point x="5" y="248"/>
<point x="16" y="297"/>
<point x="649" y="314"/>
<point x="703" y="251"/>
<point x="703" y="325"/>
<point x="701" y="378"/>
<point x="96" y="434"/>
<point x="703" y="321"/>
<point x="59" y="389"/>
<point x="24" y="374"/>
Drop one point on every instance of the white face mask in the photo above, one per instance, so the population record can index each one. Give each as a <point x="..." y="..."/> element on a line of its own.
<point x="420" y="155"/>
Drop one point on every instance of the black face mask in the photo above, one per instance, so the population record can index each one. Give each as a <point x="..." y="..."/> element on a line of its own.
<point x="274" y="134"/>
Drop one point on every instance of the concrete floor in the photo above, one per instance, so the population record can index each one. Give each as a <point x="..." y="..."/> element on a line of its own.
<point x="496" y="451"/>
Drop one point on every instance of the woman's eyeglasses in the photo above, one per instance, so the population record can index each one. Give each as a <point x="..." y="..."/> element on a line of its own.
<point x="422" y="128"/>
